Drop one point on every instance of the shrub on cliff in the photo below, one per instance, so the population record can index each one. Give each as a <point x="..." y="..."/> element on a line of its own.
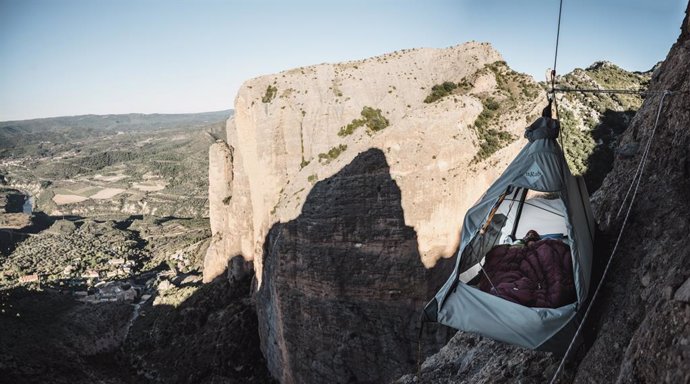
<point x="270" y="94"/>
<point x="332" y="154"/>
<point x="372" y="118"/>
<point x="490" y="139"/>
<point x="438" y="91"/>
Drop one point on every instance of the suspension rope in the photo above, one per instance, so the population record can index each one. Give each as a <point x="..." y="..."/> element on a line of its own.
<point x="555" y="56"/>
<point x="643" y="161"/>
<point x="622" y="91"/>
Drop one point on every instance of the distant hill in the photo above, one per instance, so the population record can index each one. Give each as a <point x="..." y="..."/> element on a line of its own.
<point x="59" y="130"/>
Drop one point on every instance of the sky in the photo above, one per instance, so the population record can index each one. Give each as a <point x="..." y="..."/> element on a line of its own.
<point x="72" y="57"/>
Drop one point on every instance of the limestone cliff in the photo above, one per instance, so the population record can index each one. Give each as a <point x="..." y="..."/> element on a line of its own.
<point x="642" y="322"/>
<point x="343" y="282"/>
<point x="290" y="130"/>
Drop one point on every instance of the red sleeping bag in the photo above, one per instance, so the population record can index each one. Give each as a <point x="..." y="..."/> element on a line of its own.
<point x="538" y="275"/>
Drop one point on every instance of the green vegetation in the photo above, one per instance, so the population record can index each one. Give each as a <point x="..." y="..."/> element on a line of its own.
<point x="606" y="76"/>
<point x="332" y="154"/>
<point x="611" y="76"/>
<point x="580" y="138"/>
<point x="372" y="118"/>
<point x="312" y="178"/>
<point x="578" y="142"/>
<point x="590" y="131"/>
<point x="514" y="89"/>
<point x="517" y="87"/>
<point x="350" y="128"/>
<point x="490" y="139"/>
<point x="270" y="94"/>
<point x="440" y="90"/>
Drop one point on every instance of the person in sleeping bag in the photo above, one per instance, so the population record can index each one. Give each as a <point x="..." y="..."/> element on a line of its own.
<point x="530" y="238"/>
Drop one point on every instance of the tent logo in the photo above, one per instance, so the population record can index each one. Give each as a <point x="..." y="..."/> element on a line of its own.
<point x="534" y="173"/>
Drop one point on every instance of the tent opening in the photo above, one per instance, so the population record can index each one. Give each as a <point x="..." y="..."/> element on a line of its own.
<point x="517" y="211"/>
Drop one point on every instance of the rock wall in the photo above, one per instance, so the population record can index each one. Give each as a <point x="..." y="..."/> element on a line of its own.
<point x="642" y="322"/>
<point x="344" y="229"/>
<point x="285" y="139"/>
<point x="343" y="282"/>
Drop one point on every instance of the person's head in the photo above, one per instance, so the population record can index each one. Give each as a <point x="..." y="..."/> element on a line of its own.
<point x="531" y="237"/>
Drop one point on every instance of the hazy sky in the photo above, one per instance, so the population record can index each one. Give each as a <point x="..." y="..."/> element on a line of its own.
<point x="68" y="57"/>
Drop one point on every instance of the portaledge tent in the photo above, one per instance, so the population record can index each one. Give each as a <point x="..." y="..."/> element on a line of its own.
<point x="536" y="191"/>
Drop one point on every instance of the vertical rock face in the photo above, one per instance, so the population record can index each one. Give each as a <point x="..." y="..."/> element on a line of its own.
<point x="343" y="282"/>
<point x="220" y="175"/>
<point x="220" y="178"/>
<point x="230" y="208"/>
<point x="287" y="134"/>
<point x="642" y="330"/>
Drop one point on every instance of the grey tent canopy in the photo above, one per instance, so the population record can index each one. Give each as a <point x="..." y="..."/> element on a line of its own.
<point x="538" y="192"/>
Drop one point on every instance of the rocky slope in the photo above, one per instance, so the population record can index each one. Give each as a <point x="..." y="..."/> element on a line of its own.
<point x="201" y="334"/>
<point x="639" y="328"/>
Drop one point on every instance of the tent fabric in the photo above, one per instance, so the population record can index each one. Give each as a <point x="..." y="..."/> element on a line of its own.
<point x="540" y="166"/>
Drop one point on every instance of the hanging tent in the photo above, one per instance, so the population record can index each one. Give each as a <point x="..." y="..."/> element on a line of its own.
<point x="535" y="192"/>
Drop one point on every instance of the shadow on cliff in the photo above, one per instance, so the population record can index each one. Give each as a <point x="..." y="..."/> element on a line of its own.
<point x="343" y="285"/>
<point x="611" y="125"/>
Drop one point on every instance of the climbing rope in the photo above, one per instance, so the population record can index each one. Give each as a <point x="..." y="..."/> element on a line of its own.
<point x="642" y="162"/>
<point x="636" y="182"/>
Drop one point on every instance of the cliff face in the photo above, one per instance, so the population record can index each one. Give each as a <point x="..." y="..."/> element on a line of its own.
<point x="343" y="282"/>
<point x="285" y="136"/>
<point x="643" y="319"/>
<point x="343" y="187"/>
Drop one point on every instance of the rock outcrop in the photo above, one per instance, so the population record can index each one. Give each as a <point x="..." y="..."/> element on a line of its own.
<point x="290" y="131"/>
<point x="347" y="184"/>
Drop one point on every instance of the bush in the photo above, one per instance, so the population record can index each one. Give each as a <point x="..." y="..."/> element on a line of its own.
<point x="490" y="139"/>
<point x="350" y="128"/>
<point x="271" y="92"/>
<point x="333" y="153"/>
<point x="491" y="104"/>
<point x="440" y="90"/>
<point x="372" y="118"/>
